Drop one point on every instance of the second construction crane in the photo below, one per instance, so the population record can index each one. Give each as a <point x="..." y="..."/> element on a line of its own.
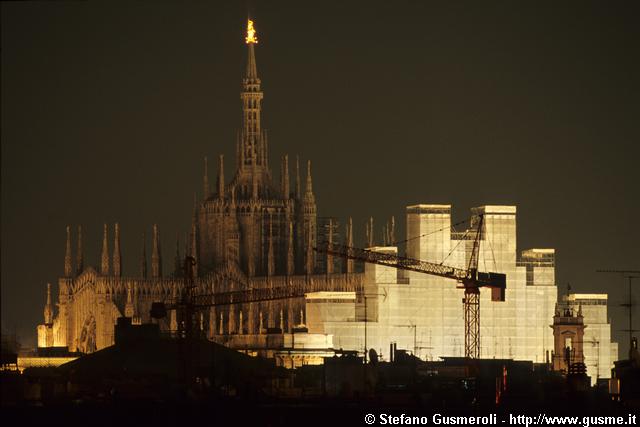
<point x="469" y="279"/>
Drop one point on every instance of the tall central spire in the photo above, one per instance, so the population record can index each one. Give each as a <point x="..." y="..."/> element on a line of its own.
<point x="253" y="144"/>
<point x="251" y="39"/>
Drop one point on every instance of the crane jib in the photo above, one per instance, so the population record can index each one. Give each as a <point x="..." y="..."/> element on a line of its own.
<point x="471" y="279"/>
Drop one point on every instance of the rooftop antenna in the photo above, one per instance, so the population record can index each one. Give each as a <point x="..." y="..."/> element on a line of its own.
<point x="627" y="274"/>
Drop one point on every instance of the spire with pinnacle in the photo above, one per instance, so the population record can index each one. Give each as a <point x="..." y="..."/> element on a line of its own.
<point x="285" y="178"/>
<point x="156" y="259"/>
<point x="308" y="218"/>
<point x="48" y="308"/>
<point x="392" y="231"/>
<point x="221" y="178"/>
<point x="253" y="144"/>
<point x="369" y="232"/>
<point x="349" y="262"/>
<point x="79" y="255"/>
<point x="117" y="255"/>
<point x="251" y="39"/>
<point x="104" y="265"/>
<point x="308" y="192"/>
<point x="68" y="271"/>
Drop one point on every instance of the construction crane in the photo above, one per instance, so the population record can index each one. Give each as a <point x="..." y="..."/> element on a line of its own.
<point x="469" y="279"/>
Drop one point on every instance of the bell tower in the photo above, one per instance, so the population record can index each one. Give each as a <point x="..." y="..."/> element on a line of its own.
<point x="568" y="332"/>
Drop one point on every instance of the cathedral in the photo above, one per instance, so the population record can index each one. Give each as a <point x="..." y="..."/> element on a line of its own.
<point x="253" y="231"/>
<point x="257" y="232"/>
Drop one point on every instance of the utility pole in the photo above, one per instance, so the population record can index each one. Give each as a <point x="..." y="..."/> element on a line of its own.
<point x="627" y="274"/>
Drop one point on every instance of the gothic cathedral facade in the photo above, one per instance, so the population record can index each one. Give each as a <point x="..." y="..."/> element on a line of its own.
<point x="254" y="231"/>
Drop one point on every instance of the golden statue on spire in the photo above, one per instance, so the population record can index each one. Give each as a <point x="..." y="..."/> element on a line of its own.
<point x="251" y="33"/>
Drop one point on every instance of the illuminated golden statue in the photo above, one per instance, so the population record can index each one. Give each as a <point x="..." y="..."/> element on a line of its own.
<point x="251" y="33"/>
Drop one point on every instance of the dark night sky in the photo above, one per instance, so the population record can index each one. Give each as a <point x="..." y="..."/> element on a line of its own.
<point x="108" y="110"/>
